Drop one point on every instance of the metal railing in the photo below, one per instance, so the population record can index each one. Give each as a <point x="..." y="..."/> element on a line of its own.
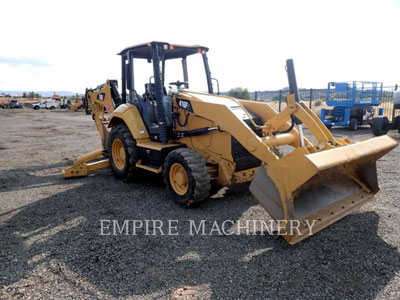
<point x="316" y="98"/>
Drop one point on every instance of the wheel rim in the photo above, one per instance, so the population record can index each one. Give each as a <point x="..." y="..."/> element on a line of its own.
<point x="179" y="179"/>
<point x="118" y="154"/>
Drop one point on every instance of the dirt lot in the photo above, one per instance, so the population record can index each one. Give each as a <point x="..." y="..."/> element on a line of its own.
<point x="51" y="247"/>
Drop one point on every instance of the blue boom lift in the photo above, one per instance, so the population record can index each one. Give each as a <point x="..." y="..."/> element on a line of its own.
<point x="352" y="103"/>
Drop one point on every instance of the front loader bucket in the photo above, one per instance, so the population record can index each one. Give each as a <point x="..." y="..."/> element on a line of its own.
<point x="307" y="192"/>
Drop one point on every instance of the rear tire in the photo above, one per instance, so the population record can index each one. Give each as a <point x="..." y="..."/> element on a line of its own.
<point x="396" y="122"/>
<point x="186" y="177"/>
<point x="353" y="124"/>
<point x="122" y="153"/>
<point x="36" y="107"/>
<point x="379" y="126"/>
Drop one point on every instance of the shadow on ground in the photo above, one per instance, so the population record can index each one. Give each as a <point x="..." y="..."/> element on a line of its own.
<point x="32" y="176"/>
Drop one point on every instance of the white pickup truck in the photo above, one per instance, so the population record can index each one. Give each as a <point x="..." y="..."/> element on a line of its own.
<point x="48" y="104"/>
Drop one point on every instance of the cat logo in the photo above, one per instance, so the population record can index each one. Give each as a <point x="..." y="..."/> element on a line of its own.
<point x="184" y="104"/>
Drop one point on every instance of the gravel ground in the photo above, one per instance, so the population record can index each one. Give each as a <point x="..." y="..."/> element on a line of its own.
<point x="51" y="247"/>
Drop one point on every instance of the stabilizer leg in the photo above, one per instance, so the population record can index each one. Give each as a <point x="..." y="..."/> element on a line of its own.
<point x="82" y="165"/>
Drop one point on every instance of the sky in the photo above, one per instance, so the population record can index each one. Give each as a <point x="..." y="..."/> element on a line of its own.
<point x="70" y="45"/>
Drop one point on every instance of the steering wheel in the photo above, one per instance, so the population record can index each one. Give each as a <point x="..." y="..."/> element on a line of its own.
<point x="179" y="83"/>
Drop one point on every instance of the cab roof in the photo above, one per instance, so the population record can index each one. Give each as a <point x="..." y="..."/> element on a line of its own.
<point x="170" y="50"/>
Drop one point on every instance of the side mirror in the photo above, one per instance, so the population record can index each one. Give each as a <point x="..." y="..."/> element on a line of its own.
<point x="217" y="82"/>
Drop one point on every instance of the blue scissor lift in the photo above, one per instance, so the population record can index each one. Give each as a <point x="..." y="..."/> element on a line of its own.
<point x="352" y="103"/>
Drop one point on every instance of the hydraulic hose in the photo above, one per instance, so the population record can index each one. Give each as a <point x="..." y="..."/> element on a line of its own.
<point x="286" y="130"/>
<point x="176" y="118"/>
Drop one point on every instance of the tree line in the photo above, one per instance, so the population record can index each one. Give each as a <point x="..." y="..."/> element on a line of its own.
<point x="31" y="95"/>
<point x="239" y="93"/>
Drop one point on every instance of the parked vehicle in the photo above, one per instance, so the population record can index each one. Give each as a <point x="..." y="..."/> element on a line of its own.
<point x="63" y="103"/>
<point x="48" y="104"/>
<point x="353" y="103"/>
<point x="381" y="125"/>
<point x="14" y="104"/>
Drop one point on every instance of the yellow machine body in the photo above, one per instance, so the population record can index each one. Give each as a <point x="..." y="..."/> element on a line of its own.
<point x="321" y="180"/>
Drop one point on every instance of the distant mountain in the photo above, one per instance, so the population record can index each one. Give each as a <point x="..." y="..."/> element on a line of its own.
<point x="43" y="93"/>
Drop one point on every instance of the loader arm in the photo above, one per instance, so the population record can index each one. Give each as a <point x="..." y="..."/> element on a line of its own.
<point x="318" y="182"/>
<point x="324" y="137"/>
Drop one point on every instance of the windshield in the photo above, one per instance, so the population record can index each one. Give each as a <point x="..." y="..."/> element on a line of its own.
<point x="197" y="73"/>
<point x="174" y="71"/>
<point x="197" y="79"/>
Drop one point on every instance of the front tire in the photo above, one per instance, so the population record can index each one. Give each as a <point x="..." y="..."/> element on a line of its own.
<point x="353" y="124"/>
<point x="122" y="153"/>
<point x="186" y="177"/>
<point x="379" y="126"/>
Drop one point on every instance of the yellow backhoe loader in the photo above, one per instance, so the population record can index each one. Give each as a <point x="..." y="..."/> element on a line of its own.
<point x="77" y="104"/>
<point x="192" y="138"/>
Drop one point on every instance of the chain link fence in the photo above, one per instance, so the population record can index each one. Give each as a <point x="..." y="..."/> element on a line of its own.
<point x="316" y="99"/>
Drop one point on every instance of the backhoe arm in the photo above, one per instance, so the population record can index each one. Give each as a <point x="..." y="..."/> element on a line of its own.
<point x="102" y="101"/>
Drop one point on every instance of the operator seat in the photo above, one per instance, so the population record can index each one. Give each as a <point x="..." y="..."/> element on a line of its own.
<point x="149" y="110"/>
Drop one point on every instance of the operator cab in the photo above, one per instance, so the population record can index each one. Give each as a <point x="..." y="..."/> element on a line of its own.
<point x="151" y="92"/>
